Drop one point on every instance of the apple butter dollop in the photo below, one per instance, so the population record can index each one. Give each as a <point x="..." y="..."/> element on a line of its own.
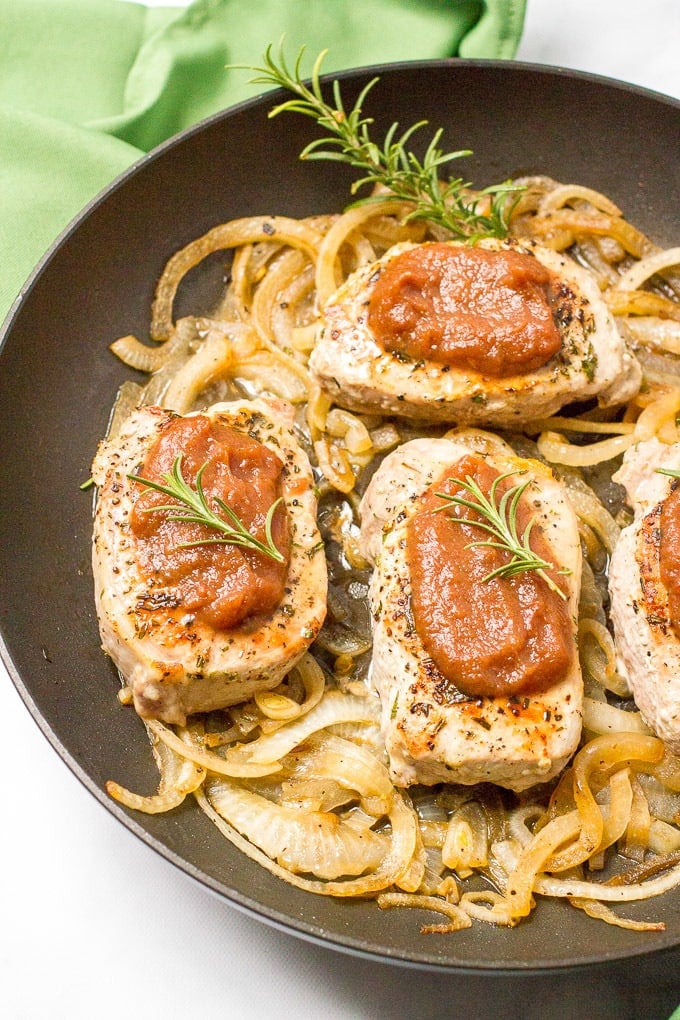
<point x="669" y="561"/>
<point x="469" y="307"/>
<point x="221" y="584"/>
<point x="501" y="636"/>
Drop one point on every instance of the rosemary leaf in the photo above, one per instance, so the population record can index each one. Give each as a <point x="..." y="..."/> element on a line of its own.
<point x="499" y="520"/>
<point x="198" y="511"/>
<point x="392" y="165"/>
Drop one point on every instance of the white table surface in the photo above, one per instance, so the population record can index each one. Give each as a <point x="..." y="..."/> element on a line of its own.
<point x="94" y="924"/>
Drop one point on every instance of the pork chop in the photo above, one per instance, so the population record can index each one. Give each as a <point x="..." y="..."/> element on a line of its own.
<point x="175" y="659"/>
<point x="434" y="732"/>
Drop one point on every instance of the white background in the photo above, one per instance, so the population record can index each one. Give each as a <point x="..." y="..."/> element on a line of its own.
<point x="94" y="924"/>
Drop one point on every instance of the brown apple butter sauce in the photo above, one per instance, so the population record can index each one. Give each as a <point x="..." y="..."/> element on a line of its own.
<point x="669" y="561"/>
<point x="222" y="585"/>
<point x="468" y="307"/>
<point x="501" y="636"/>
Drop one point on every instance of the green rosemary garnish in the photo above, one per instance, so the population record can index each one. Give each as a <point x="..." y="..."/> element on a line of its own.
<point x="500" y="521"/>
<point x="394" y="166"/>
<point x="671" y="472"/>
<point x="234" y="532"/>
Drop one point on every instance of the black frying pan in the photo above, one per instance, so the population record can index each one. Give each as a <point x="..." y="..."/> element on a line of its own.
<point x="58" y="381"/>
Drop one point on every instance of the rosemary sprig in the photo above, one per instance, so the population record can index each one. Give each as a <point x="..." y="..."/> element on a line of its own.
<point x="393" y="166"/>
<point x="671" y="472"/>
<point x="500" y="521"/>
<point x="198" y="511"/>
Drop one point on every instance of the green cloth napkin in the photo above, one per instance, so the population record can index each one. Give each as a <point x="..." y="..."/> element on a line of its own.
<point x="88" y="86"/>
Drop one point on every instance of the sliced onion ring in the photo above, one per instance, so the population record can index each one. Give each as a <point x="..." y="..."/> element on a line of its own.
<point x="393" y="865"/>
<point x="603" y="913"/>
<point x="207" y="760"/>
<point x="457" y="918"/>
<point x="550" y="886"/>
<point x="333" y="708"/>
<point x="648" y="266"/>
<point x="179" y="776"/>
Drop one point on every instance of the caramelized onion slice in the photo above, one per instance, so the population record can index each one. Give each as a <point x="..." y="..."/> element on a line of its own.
<point x="598" y="657"/>
<point x="534" y="858"/>
<point x="332" y="709"/>
<point x="488" y="906"/>
<point x="350" y="765"/>
<point x="654" y="332"/>
<point x="328" y="273"/>
<point x="648" y="266"/>
<point x="318" y="843"/>
<point x="249" y="230"/>
<point x="207" y="759"/>
<point x="213" y="359"/>
<point x="563" y="194"/>
<point x="599" y="224"/>
<point x="178" y="777"/>
<point x="600" y="758"/>
<point x="620" y="805"/>
<point x="641" y="302"/>
<point x="466" y="846"/>
<point x="401" y="849"/>
<point x="590" y="510"/>
<point x="603" y="913"/>
<point x="278" y="708"/>
<point x="600" y="717"/>
<point x="547" y="885"/>
<point x="457" y="918"/>
<point x="660" y="411"/>
<point x="135" y="354"/>
<point x="558" y="450"/>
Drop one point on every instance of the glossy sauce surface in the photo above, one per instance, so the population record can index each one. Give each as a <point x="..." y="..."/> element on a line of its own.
<point x="492" y="637"/>
<point x="468" y="307"/>
<point x="220" y="584"/>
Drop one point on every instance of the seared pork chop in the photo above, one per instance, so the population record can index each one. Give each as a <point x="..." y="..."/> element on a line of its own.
<point x="591" y="359"/>
<point x="433" y="730"/>
<point x="647" y="642"/>
<point x="194" y="624"/>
